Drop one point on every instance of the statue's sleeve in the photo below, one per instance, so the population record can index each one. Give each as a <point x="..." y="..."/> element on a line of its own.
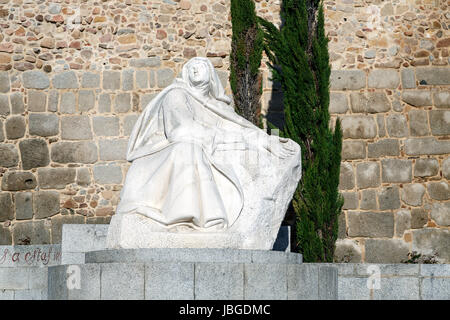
<point x="180" y="124"/>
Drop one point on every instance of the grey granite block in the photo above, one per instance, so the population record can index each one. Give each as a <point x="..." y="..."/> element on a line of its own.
<point x="343" y="268"/>
<point x="397" y="288"/>
<point x="90" y="282"/>
<point x="265" y="281"/>
<point x="57" y="288"/>
<point x="73" y="258"/>
<point x="169" y="281"/>
<point x="37" y="278"/>
<point x="192" y="255"/>
<point x="435" y="289"/>
<point x="353" y="288"/>
<point x="328" y="283"/>
<point x="275" y="257"/>
<point x="303" y="282"/>
<point x="219" y="281"/>
<point x="435" y="270"/>
<point x="122" y="281"/>
<point x="14" y="278"/>
<point x="6" y="294"/>
<point x="32" y="294"/>
<point x="395" y="269"/>
<point x="74" y="282"/>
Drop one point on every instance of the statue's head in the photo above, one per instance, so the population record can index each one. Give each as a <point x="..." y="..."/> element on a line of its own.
<point x="199" y="72"/>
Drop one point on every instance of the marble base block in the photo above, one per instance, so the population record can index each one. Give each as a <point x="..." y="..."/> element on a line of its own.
<point x="132" y="231"/>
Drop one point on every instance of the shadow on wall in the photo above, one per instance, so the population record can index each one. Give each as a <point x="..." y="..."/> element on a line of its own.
<point x="275" y="110"/>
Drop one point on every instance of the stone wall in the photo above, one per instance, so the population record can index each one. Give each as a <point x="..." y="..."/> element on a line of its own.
<point x="391" y="89"/>
<point x="75" y="75"/>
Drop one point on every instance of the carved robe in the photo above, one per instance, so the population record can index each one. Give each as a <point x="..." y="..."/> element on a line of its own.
<point x="173" y="178"/>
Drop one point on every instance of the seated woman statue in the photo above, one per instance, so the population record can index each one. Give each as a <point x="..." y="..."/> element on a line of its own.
<point x="174" y="178"/>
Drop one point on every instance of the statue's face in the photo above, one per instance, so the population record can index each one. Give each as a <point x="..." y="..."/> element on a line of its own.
<point x="198" y="73"/>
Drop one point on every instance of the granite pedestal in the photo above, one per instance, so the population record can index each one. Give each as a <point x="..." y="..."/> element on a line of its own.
<point x="192" y="274"/>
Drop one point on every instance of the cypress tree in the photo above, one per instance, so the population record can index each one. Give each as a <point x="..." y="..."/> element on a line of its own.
<point x="299" y="59"/>
<point x="245" y="59"/>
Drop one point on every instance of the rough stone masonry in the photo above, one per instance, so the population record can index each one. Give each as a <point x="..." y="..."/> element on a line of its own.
<point x="75" y="75"/>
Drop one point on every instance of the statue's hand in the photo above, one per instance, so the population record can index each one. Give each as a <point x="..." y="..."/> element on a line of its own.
<point x="280" y="147"/>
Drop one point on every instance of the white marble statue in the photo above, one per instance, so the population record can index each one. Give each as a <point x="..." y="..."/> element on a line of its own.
<point x="201" y="175"/>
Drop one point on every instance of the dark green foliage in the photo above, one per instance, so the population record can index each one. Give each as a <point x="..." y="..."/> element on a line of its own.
<point x="245" y="60"/>
<point x="300" y="52"/>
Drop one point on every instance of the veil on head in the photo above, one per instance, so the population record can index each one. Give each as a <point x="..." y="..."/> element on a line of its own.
<point x="216" y="88"/>
<point x="147" y="135"/>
